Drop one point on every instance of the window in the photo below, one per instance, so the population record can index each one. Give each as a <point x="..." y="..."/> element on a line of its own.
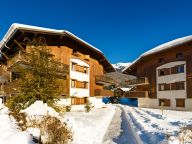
<point x="179" y="55"/>
<point x="165" y="71"/>
<point x="161" y="73"/>
<point x="78" y="101"/>
<point x="178" y="86"/>
<point x="177" y="69"/>
<point x="161" y="60"/>
<point x="85" y="70"/>
<point x="164" y="87"/>
<point x="73" y="83"/>
<point x="80" y="84"/>
<point x="180" y="69"/>
<point x="161" y="87"/>
<point x="73" y="65"/>
<point x="164" y="102"/>
<point x="180" y="102"/>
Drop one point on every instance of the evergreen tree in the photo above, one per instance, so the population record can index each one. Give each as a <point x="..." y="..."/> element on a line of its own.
<point x="42" y="77"/>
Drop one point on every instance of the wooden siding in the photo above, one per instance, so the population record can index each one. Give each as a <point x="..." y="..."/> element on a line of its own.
<point x="146" y="67"/>
<point x="64" y="54"/>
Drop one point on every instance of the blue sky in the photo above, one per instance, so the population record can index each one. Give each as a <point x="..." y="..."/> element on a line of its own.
<point x="122" y="29"/>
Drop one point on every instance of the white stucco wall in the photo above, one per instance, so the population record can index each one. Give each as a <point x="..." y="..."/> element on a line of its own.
<point x="79" y="92"/>
<point x="147" y="102"/>
<point x="171" y="94"/>
<point x="188" y="104"/>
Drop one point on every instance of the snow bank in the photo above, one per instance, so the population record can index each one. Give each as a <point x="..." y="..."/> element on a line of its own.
<point x="90" y="128"/>
<point x="96" y="103"/>
<point x="63" y="102"/>
<point x="40" y="109"/>
<point x="1" y="103"/>
<point x="9" y="132"/>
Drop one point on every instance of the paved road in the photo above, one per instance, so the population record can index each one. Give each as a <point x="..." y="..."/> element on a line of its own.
<point x="119" y="130"/>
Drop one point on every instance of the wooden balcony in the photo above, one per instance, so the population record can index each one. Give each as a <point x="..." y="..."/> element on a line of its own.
<point x="102" y="79"/>
<point x="19" y="58"/>
<point x="103" y="92"/>
<point x="14" y="60"/>
<point x="136" y="94"/>
<point x="137" y="81"/>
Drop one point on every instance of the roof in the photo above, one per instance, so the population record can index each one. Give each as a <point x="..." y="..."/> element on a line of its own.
<point x="162" y="47"/>
<point x="17" y="27"/>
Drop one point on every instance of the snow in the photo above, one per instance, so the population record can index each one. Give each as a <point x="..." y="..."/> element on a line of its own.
<point x="16" y="26"/>
<point x="153" y="127"/>
<point x="40" y="109"/>
<point x="90" y="128"/>
<point x="96" y="102"/>
<point x="121" y="66"/>
<point x="120" y="130"/>
<point x="125" y="89"/>
<point x="162" y="47"/>
<point x="9" y="132"/>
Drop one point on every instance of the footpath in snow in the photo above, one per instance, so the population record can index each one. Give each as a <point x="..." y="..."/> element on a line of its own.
<point x="155" y="128"/>
<point x="90" y="128"/>
<point x="119" y="131"/>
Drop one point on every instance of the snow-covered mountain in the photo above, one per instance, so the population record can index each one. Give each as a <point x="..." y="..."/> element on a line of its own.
<point x="120" y="66"/>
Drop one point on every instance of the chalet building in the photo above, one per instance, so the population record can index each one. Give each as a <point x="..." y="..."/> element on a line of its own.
<point x="164" y="76"/>
<point x="83" y="64"/>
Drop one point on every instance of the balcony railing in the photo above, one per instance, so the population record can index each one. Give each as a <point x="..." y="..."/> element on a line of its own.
<point x="17" y="58"/>
<point x="136" y="94"/>
<point x="103" y="92"/>
<point x="137" y="81"/>
<point x="102" y="79"/>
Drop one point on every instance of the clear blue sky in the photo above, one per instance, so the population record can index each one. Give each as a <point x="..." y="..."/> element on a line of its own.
<point x="122" y="29"/>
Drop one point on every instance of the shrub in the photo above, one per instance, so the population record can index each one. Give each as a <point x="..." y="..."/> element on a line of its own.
<point x="68" y="108"/>
<point x="20" y="119"/>
<point x="88" y="106"/>
<point x="53" y="131"/>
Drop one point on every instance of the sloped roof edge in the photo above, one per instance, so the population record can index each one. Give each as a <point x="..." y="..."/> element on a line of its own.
<point x="160" y="48"/>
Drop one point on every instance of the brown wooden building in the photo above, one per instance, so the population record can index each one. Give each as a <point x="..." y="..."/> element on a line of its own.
<point x="164" y="76"/>
<point x="82" y="61"/>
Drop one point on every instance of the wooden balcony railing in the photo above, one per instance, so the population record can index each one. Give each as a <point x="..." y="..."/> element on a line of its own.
<point x="101" y="79"/>
<point x="136" y="94"/>
<point x="103" y="92"/>
<point x="137" y="81"/>
<point x="17" y="58"/>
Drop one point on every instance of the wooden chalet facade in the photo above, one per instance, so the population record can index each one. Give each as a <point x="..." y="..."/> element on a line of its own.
<point x="164" y="76"/>
<point x="82" y="63"/>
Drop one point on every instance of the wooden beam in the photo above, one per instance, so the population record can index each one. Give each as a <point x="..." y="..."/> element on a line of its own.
<point x="4" y="55"/>
<point x="19" y="45"/>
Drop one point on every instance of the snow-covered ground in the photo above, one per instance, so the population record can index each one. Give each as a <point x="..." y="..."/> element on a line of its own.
<point x="90" y="128"/>
<point x="87" y="128"/>
<point x="153" y="127"/>
<point x="9" y="132"/>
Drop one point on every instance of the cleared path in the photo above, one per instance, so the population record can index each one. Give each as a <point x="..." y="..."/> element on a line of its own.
<point x="119" y="130"/>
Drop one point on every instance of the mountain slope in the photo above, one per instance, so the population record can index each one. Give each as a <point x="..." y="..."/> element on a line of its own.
<point x="120" y="66"/>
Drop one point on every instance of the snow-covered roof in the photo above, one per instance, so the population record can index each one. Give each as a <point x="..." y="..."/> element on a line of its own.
<point x="17" y="26"/>
<point x="162" y="47"/>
